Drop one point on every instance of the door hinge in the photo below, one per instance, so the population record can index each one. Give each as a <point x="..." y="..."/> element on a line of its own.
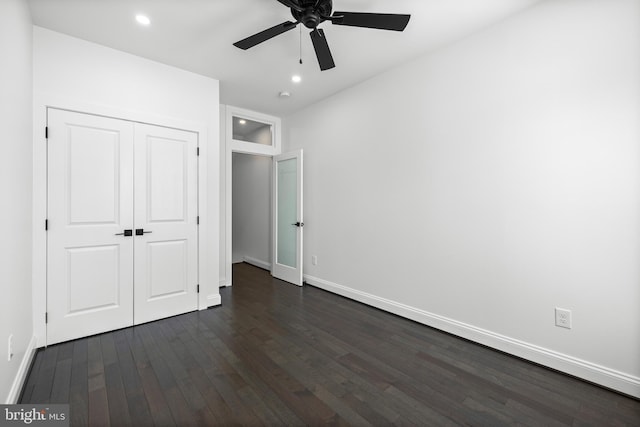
<point x="46" y="224"/>
<point x="46" y="317"/>
<point x="198" y="288"/>
<point x="198" y="219"/>
<point x="197" y="151"/>
<point x="46" y="132"/>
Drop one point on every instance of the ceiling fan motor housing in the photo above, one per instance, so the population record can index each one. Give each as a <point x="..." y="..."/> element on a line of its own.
<point x="314" y="10"/>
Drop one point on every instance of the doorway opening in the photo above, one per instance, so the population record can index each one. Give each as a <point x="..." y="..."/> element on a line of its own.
<point x="262" y="197"/>
<point x="251" y="209"/>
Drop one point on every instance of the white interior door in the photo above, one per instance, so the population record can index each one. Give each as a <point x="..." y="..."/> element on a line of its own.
<point x="287" y="217"/>
<point x="90" y="259"/>
<point x="166" y="209"/>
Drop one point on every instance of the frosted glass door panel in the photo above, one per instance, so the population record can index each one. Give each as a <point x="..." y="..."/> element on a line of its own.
<point x="287" y="217"/>
<point x="287" y="212"/>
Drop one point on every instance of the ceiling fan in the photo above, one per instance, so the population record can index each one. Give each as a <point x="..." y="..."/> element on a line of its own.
<point x="311" y="13"/>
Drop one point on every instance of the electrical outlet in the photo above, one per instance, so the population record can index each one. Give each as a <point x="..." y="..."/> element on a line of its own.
<point x="563" y="318"/>
<point x="10" y="348"/>
<point x="314" y="259"/>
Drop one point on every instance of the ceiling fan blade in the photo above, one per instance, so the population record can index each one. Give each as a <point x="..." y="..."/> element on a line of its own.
<point x="380" y="21"/>
<point x="325" y="60"/>
<point x="265" y="35"/>
<point x="292" y="5"/>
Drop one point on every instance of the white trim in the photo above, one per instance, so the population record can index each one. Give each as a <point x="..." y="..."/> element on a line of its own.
<point x="592" y="372"/>
<point x="39" y="235"/>
<point x="250" y="147"/>
<point x="258" y="263"/>
<point x="228" y="200"/>
<point x="204" y="276"/>
<point x="21" y="375"/>
<point x="39" y="270"/>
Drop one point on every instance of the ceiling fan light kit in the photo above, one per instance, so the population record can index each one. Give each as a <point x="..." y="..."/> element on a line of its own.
<point x="312" y="13"/>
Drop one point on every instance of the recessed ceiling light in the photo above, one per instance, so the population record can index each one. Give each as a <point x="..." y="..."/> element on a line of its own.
<point x="296" y="78"/>
<point x="242" y="121"/>
<point x="143" y="20"/>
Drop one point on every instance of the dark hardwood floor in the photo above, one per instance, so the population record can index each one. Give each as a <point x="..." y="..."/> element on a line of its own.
<point x="276" y="354"/>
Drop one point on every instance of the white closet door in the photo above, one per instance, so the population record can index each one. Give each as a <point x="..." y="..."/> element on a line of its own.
<point x="166" y="207"/>
<point x="90" y="260"/>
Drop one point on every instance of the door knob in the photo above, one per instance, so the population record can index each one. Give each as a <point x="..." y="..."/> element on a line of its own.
<point x="125" y="233"/>
<point x="299" y="224"/>
<point x="140" y="231"/>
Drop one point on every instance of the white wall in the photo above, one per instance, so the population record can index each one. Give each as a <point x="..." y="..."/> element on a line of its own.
<point x="252" y="209"/>
<point x="481" y="186"/>
<point x="76" y="74"/>
<point x="15" y="190"/>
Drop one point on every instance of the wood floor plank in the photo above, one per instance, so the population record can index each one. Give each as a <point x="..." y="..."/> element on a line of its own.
<point x="97" y="391"/>
<point x="322" y="373"/>
<point x="228" y="404"/>
<point x="165" y="373"/>
<point x="289" y="390"/>
<point x="108" y="348"/>
<point x="199" y="361"/>
<point x="44" y="381"/>
<point x="61" y="381"/>
<point x="32" y="377"/>
<point x="136" y="402"/>
<point x="278" y="354"/>
<point x="65" y="351"/>
<point x="225" y="369"/>
<point x="62" y="374"/>
<point x="79" y="387"/>
<point x="181" y="362"/>
<point x="311" y="336"/>
<point x="116" y="396"/>
<point x="155" y="397"/>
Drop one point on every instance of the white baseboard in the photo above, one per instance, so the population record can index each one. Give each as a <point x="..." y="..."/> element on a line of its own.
<point x="592" y="372"/>
<point x="21" y="375"/>
<point x="258" y="263"/>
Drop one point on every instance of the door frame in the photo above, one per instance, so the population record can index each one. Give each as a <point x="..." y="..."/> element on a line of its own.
<point x="208" y="296"/>
<point x="229" y="147"/>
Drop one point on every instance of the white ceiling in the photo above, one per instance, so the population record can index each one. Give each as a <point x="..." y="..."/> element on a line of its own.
<point x="197" y="35"/>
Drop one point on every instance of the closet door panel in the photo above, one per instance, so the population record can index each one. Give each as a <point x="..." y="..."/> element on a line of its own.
<point x="90" y="204"/>
<point x="166" y="210"/>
